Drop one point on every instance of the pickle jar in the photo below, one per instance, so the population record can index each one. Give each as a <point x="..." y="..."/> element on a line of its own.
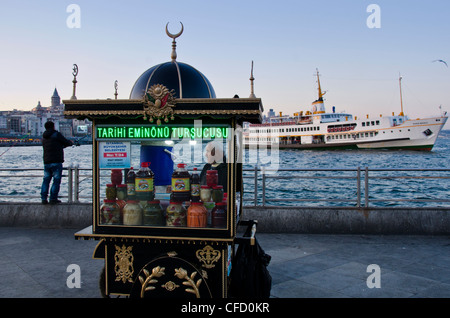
<point x="121" y="204"/>
<point x="219" y="215"/>
<point x="217" y="194"/>
<point x="175" y="214"/>
<point x="197" y="215"/>
<point x="205" y="193"/>
<point x="121" y="192"/>
<point x="132" y="213"/>
<point x="212" y="178"/>
<point x="110" y="212"/>
<point x="111" y="191"/>
<point x="153" y="213"/>
<point x="116" y="176"/>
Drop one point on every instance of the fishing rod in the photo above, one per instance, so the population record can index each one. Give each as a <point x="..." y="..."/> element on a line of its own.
<point x="77" y="141"/>
<point x="15" y="143"/>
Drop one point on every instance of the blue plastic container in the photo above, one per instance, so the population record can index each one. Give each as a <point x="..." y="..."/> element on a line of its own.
<point x="160" y="163"/>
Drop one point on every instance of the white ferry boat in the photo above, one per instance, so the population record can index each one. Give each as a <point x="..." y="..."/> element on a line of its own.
<point x="317" y="129"/>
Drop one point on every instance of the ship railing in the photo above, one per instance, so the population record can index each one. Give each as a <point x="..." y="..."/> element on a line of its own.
<point x="265" y="187"/>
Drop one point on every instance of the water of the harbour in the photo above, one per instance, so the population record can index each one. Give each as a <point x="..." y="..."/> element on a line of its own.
<point x="319" y="188"/>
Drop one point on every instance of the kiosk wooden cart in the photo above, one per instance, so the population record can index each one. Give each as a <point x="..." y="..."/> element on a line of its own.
<point x="168" y="119"/>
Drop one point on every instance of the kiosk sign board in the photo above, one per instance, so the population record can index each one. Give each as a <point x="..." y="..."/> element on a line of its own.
<point x="114" y="154"/>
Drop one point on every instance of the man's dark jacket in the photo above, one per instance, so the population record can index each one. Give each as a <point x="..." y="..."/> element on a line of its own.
<point x="54" y="143"/>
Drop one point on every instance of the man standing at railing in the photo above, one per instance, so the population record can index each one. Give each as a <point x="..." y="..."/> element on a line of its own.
<point x="53" y="143"/>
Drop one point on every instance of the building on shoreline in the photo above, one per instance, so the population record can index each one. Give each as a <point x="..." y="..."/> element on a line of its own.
<point x="18" y="123"/>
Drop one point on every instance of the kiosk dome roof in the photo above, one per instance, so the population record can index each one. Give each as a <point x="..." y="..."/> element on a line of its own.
<point x="185" y="80"/>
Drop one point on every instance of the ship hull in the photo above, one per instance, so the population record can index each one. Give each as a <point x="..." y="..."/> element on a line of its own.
<point x="418" y="134"/>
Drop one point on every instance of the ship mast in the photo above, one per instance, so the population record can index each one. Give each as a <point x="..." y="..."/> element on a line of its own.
<point x="401" y="98"/>
<point x="320" y="89"/>
<point x="317" y="106"/>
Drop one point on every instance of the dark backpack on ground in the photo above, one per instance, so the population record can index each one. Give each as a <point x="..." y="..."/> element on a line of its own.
<point x="249" y="277"/>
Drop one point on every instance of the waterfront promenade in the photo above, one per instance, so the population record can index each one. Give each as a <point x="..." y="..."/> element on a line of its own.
<point x="34" y="263"/>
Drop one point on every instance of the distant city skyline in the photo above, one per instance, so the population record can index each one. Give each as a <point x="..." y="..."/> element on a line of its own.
<point x="360" y="48"/>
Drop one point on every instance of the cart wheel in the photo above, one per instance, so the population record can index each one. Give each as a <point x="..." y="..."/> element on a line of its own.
<point x="102" y="283"/>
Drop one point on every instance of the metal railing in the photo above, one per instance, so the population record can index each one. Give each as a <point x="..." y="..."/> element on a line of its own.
<point x="29" y="182"/>
<point x="276" y="187"/>
<point x="347" y="187"/>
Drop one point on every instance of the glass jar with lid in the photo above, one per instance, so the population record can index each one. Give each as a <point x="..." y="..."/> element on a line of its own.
<point x="153" y="214"/>
<point x="132" y="213"/>
<point x="175" y="214"/>
<point x="197" y="215"/>
<point x="121" y="191"/>
<point x="116" y="176"/>
<point x="110" y="212"/>
<point x="219" y="215"/>
<point x="205" y="193"/>
<point x="217" y="194"/>
<point x="111" y="191"/>
<point x="212" y="178"/>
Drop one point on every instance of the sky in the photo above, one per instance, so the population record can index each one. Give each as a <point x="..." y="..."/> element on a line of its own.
<point x="360" y="52"/>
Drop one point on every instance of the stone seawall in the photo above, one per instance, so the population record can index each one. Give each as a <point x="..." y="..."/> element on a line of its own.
<point x="63" y="215"/>
<point x="434" y="221"/>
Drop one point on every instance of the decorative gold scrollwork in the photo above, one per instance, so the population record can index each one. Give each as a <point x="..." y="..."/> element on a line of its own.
<point x="170" y="286"/>
<point x="124" y="263"/>
<point x="182" y="274"/>
<point x="149" y="279"/>
<point x="208" y="256"/>
<point x="159" y="103"/>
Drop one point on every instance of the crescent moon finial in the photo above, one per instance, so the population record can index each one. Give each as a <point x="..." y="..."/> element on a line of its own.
<point x="75" y="70"/>
<point x="174" y="36"/>
<point x="174" y="43"/>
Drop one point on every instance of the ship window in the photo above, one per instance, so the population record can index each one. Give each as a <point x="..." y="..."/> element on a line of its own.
<point x="371" y="134"/>
<point x="378" y="122"/>
<point x="372" y="123"/>
<point x="367" y="123"/>
<point x="367" y="135"/>
<point x="363" y="124"/>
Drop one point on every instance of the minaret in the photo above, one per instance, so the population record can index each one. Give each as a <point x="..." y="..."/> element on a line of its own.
<point x="252" y="93"/>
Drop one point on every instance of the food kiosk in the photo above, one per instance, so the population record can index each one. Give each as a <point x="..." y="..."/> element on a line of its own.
<point x="162" y="232"/>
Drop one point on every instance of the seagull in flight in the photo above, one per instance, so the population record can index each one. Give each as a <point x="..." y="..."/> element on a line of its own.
<point x="442" y="61"/>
